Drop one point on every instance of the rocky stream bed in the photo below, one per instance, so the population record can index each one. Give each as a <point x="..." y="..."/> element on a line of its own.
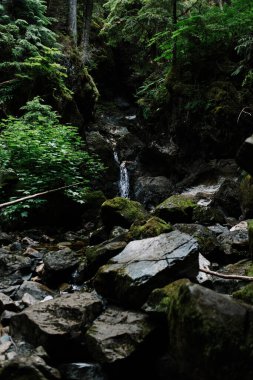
<point x="124" y="297"/>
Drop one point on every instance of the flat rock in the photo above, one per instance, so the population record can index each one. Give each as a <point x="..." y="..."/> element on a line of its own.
<point x="57" y="324"/>
<point x="82" y="371"/>
<point x="116" y="334"/>
<point x="36" y="290"/>
<point x="6" y="303"/>
<point x="235" y="244"/>
<point x="146" y="264"/>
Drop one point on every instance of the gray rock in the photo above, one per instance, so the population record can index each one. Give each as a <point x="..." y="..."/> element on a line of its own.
<point x="60" y="264"/>
<point x="235" y="244"/>
<point x="116" y="334"/>
<point x="146" y="264"/>
<point x="228" y="198"/>
<point x="28" y="368"/>
<point x="152" y="190"/>
<point x="6" y="303"/>
<point x="36" y="290"/>
<point x="244" y="155"/>
<point x="57" y="324"/>
<point x="14" y="269"/>
<point x="6" y="317"/>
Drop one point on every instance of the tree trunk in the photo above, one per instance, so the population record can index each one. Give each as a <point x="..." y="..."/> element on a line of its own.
<point x="73" y="19"/>
<point x="87" y="15"/>
<point x="174" y="23"/>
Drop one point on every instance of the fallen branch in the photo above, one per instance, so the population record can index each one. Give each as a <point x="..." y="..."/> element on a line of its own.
<point x="6" y="204"/>
<point x="227" y="276"/>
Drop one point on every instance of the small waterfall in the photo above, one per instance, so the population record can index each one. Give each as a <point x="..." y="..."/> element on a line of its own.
<point x="124" y="184"/>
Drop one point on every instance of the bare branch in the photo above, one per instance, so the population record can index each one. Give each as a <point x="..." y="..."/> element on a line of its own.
<point x="243" y="111"/>
<point x="37" y="195"/>
<point x="227" y="276"/>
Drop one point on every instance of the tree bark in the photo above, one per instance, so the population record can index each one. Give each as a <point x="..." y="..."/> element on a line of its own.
<point x="87" y="15"/>
<point x="174" y="23"/>
<point x="73" y="19"/>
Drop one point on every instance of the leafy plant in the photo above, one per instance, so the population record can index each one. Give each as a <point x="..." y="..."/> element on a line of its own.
<point x="42" y="154"/>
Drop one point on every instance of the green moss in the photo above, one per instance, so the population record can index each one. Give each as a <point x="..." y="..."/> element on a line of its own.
<point x="176" y="209"/>
<point x="150" y="228"/>
<point x="246" y="293"/>
<point x="207" y="215"/>
<point x="122" y="212"/>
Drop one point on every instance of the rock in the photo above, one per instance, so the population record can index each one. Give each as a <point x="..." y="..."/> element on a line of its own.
<point x="227" y="198"/>
<point x="118" y="231"/>
<point x="116" y="334"/>
<point x="210" y="334"/>
<point x="208" y="243"/>
<point x="14" y="269"/>
<point x="5" y="238"/>
<point x="244" y="155"/>
<point x="207" y="215"/>
<point x="6" y="303"/>
<point x="36" y="290"/>
<point x="121" y="212"/>
<point x="152" y="190"/>
<point x="28" y="368"/>
<point x="28" y="300"/>
<point x="176" y="209"/>
<point x="246" y="196"/>
<point x="6" y="317"/>
<point x="250" y="235"/>
<point x="82" y="371"/>
<point x="58" y="265"/>
<point x="148" y="228"/>
<point x="235" y="244"/>
<point x="218" y="229"/>
<point x="57" y="324"/>
<point x="145" y="264"/>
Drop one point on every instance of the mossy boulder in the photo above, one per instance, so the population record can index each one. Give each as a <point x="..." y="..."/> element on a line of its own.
<point x="176" y="209"/>
<point x="207" y="215"/>
<point x="210" y="334"/>
<point x="148" y="228"/>
<point x="250" y="234"/>
<point x="121" y="212"/>
<point x="245" y="294"/>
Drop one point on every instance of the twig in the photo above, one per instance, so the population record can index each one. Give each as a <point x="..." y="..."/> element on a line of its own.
<point x="227" y="276"/>
<point x="2" y="205"/>
<point x="243" y="111"/>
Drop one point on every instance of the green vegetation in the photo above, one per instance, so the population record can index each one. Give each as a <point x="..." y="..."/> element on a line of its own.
<point x="38" y="153"/>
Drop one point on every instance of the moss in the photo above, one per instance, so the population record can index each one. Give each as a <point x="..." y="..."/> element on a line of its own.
<point x="122" y="212"/>
<point x="150" y="228"/>
<point x="250" y="233"/>
<point x="177" y="208"/>
<point x="246" y="293"/>
<point x="207" y="215"/>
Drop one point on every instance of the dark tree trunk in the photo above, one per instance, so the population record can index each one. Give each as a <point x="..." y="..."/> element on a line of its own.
<point x="73" y="19"/>
<point x="87" y="15"/>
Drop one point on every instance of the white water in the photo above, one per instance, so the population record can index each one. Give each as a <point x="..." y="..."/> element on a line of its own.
<point x="124" y="184"/>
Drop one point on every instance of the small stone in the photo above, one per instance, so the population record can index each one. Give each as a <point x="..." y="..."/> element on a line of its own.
<point x="4" y="347"/>
<point x="28" y="300"/>
<point x="6" y="317"/>
<point x="11" y="355"/>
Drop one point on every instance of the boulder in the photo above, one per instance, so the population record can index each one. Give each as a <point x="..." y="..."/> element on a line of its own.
<point x="82" y="371"/>
<point x="235" y="244"/>
<point x="207" y="215"/>
<point x="176" y="209"/>
<point x="6" y="303"/>
<point x="121" y="212"/>
<point x="246" y="196"/>
<point x="244" y="155"/>
<point x="152" y="190"/>
<point x="208" y="243"/>
<point x="116" y="334"/>
<point x="36" y="290"/>
<point x="148" y="228"/>
<point x="146" y="264"/>
<point x="227" y="198"/>
<point x="58" y="324"/>
<point x="60" y="264"/>
<point x="210" y="334"/>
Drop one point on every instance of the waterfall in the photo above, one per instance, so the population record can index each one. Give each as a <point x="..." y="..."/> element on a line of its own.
<point x="73" y="19"/>
<point x="124" y="185"/>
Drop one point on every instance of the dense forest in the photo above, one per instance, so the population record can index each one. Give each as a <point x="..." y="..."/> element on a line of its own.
<point x="126" y="190"/>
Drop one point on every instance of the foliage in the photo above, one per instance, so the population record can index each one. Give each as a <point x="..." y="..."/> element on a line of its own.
<point x="29" y="55"/>
<point x="43" y="154"/>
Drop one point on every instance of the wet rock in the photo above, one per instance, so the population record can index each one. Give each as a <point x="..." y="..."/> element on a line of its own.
<point x="14" y="269"/>
<point x="207" y="215"/>
<point x="146" y="264"/>
<point x="6" y="317"/>
<point x="28" y="368"/>
<point x="116" y="334"/>
<point x="59" y="265"/>
<point x="244" y="155"/>
<point x="82" y="371"/>
<point x="121" y="212"/>
<point x="118" y="231"/>
<point x="246" y="196"/>
<point x="36" y="290"/>
<point x="218" y="229"/>
<point x="5" y="238"/>
<point x="152" y="190"/>
<point x="16" y="247"/>
<point x="28" y="300"/>
<point x="235" y="244"/>
<point x="176" y="209"/>
<point x="57" y="324"/>
<point x="210" y="334"/>
<point x="245" y="294"/>
<point x="208" y="243"/>
<point x="148" y="228"/>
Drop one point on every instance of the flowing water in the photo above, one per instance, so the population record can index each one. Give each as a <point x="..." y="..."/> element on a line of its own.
<point x="124" y="183"/>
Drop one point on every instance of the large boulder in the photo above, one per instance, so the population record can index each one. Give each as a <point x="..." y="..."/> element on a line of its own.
<point x="152" y="190"/>
<point x="58" y="324"/>
<point x="116" y="334"/>
<point x="146" y="264"/>
<point x="210" y="334"/>
<point x="152" y="227"/>
<point x="227" y="198"/>
<point x="235" y="244"/>
<point x="121" y="212"/>
<point x="176" y="209"/>
<point x="244" y="155"/>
